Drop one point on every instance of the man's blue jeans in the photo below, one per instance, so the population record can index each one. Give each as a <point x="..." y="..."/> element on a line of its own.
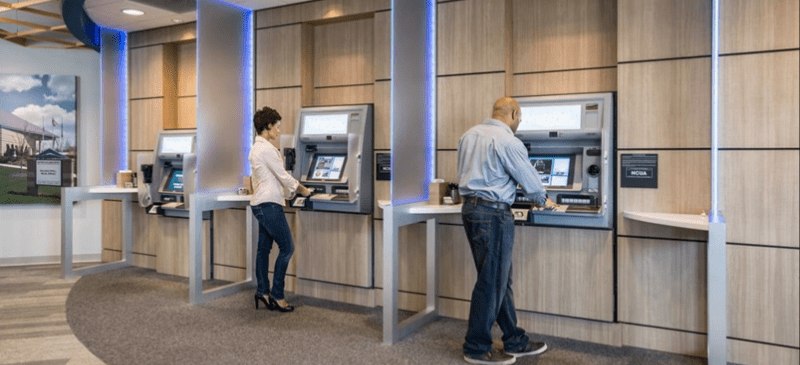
<point x="272" y="226"/>
<point x="491" y="237"/>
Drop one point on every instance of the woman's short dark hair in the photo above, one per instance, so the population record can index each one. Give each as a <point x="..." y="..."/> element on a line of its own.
<point x="265" y="119"/>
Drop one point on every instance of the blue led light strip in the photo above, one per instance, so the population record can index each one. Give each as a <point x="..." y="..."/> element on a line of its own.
<point x="119" y="47"/>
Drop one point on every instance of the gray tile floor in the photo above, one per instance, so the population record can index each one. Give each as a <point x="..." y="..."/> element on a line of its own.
<point x="33" y="322"/>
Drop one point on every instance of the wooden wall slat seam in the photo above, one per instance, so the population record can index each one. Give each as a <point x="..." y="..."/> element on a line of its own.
<point x="663" y="328"/>
<point x="563" y="70"/>
<point x="278" y="87"/>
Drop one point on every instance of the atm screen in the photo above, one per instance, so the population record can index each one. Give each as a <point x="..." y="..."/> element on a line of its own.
<point x="327" y="167"/>
<point x="174" y="183"/>
<point x="550" y="117"/>
<point x="325" y="124"/>
<point x="176" y="144"/>
<point x="555" y="170"/>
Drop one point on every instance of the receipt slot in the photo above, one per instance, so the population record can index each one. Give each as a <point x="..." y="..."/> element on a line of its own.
<point x="570" y="144"/>
<point x="333" y="153"/>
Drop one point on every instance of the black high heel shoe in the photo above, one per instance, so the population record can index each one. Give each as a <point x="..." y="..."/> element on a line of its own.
<point x="276" y="306"/>
<point x="262" y="299"/>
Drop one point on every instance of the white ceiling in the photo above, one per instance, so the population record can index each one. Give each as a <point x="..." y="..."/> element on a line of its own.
<point x="108" y="13"/>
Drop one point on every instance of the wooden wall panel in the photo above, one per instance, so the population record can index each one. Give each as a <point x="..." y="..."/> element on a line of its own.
<point x="663" y="29"/>
<point x="447" y="169"/>
<point x="230" y="237"/>
<point x="405" y="301"/>
<point x="683" y="187"/>
<point x="146" y="120"/>
<point x="343" y="53"/>
<point x="307" y="64"/>
<point x="177" y="33"/>
<point x="318" y="10"/>
<point x="111" y="233"/>
<point x="470" y="36"/>
<point x="564" y="35"/>
<point x="567" y="82"/>
<point x="760" y="198"/>
<point x="145" y="234"/>
<point x="187" y="69"/>
<point x="382" y="191"/>
<point x="764" y="294"/>
<point x="747" y="25"/>
<point x="664" y="104"/>
<point x="232" y="274"/>
<point x="457" y="274"/>
<point x="382" y="115"/>
<point x="146" y="72"/>
<point x="172" y="246"/>
<point x="574" y="328"/>
<point x="661" y="339"/>
<point x="108" y="255"/>
<point x="462" y="102"/>
<point x="743" y="352"/>
<point x="285" y="101"/>
<point x="334" y="248"/>
<point x="411" y="247"/>
<point x="360" y="94"/>
<point x="662" y="283"/>
<point x="382" y="48"/>
<point x="146" y="231"/>
<point x="338" y="293"/>
<point x="564" y="271"/>
<point x="170" y="84"/>
<point x="759" y="96"/>
<point x="278" y="56"/>
<point x="447" y="166"/>
<point x="187" y="113"/>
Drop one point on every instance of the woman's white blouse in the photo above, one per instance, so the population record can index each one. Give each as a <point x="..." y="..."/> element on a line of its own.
<point x="271" y="182"/>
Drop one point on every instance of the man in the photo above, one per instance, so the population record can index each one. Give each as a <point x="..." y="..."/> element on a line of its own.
<point x="491" y="162"/>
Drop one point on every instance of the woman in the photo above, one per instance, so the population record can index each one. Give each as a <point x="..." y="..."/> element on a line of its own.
<point x="271" y="185"/>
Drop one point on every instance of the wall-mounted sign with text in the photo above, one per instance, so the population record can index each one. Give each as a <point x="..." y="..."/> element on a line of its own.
<point x="639" y="170"/>
<point x="383" y="166"/>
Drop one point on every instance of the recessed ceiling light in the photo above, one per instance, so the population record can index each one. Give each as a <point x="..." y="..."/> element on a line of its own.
<point x="133" y="12"/>
<point x="176" y="20"/>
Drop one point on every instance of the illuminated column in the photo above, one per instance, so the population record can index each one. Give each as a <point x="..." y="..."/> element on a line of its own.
<point x="413" y="102"/>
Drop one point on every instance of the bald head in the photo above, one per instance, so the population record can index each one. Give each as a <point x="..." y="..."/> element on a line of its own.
<point x="506" y="110"/>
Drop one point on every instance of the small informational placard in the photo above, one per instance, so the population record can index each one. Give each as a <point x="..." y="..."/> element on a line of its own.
<point x="383" y="166"/>
<point x="48" y="172"/>
<point x="639" y="170"/>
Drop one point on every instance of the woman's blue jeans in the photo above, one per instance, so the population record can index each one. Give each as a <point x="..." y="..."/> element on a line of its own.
<point x="272" y="226"/>
<point x="491" y="237"/>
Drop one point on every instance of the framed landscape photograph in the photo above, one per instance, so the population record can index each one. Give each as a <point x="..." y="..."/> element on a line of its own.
<point x="38" y="137"/>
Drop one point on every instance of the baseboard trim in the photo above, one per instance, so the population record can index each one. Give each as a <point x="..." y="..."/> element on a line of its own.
<point x="46" y="260"/>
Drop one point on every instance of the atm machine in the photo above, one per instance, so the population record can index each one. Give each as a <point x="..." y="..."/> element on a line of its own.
<point x="333" y="152"/>
<point x="570" y="143"/>
<point x="169" y="175"/>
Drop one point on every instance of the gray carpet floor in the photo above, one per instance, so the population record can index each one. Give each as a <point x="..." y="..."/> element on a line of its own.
<point x="136" y="316"/>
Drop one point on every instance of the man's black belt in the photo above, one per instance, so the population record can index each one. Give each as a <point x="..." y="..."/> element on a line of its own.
<point x="487" y="203"/>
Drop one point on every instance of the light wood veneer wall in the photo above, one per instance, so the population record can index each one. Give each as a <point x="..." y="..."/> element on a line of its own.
<point x="664" y="108"/>
<point x="655" y="55"/>
<point x="328" y="53"/>
<point x="162" y="92"/>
